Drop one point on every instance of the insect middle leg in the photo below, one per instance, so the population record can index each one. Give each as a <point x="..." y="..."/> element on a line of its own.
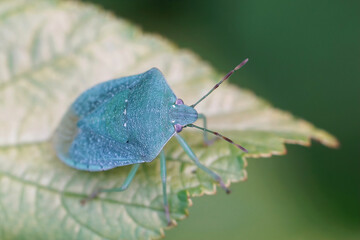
<point x="207" y="141"/>
<point x="193" y="157"/>
<point x="163" y="180"/>
<point x="125" y="185"/>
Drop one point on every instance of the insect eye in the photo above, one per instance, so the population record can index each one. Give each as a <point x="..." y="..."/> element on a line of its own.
<point x="178" y="128"/>
<point x="179" y="101"/>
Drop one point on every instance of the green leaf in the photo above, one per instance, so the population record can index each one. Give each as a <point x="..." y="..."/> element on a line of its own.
<point x="51" y="51"/>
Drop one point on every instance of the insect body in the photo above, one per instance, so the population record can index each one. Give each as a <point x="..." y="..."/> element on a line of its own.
<point x="128" y="121"/>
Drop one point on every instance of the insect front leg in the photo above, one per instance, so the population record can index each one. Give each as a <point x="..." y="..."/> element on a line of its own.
<point x="163" y="179"/>
<point x="125" y="185"/>
<point x="193" y="157"/>
<point x="207" y="141"/>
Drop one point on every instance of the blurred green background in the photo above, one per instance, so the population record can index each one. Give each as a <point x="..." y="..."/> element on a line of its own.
<point x="304" y="58"/>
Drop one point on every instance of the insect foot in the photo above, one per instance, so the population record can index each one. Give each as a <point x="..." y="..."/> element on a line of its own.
<point x="222" y="185"/>
<point x="208" y="143"/>
<point x="93" y="195"/>
<point x="170" y="223"/>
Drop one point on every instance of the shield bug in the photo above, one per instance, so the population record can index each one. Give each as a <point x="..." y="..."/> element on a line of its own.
<point x="128" y="121"/>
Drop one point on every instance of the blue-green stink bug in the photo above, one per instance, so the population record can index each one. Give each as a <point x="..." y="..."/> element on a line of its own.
<point x="128" y="121"/>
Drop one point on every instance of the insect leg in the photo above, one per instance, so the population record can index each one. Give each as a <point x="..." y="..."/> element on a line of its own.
<point x="193" y="157"/>
<point x="207" y="141"/>
<point x="125" y="185"/>
<point x="163" y="179"/>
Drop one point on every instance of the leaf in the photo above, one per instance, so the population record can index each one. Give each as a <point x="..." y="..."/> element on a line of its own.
<point x="50" y="52"/>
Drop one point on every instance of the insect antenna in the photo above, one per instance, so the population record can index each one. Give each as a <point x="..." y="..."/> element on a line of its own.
<point x="222" y="80"/>
<point x="219" y="135"/>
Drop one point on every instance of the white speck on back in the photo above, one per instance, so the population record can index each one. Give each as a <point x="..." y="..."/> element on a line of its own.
<point x="125" y="112"/>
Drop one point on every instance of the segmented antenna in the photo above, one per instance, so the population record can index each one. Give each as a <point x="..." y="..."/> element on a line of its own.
<point x="219" y="135"/>
<point x="222" y="80"/>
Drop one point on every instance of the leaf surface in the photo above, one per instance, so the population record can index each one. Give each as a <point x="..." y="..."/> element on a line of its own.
<point x="50" y="52"/>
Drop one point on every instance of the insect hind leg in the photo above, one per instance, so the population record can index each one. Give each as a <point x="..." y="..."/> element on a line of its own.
<point x="163" y="180"/>
<point x="125" y="185"/>
<point x="193" y="157"/>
